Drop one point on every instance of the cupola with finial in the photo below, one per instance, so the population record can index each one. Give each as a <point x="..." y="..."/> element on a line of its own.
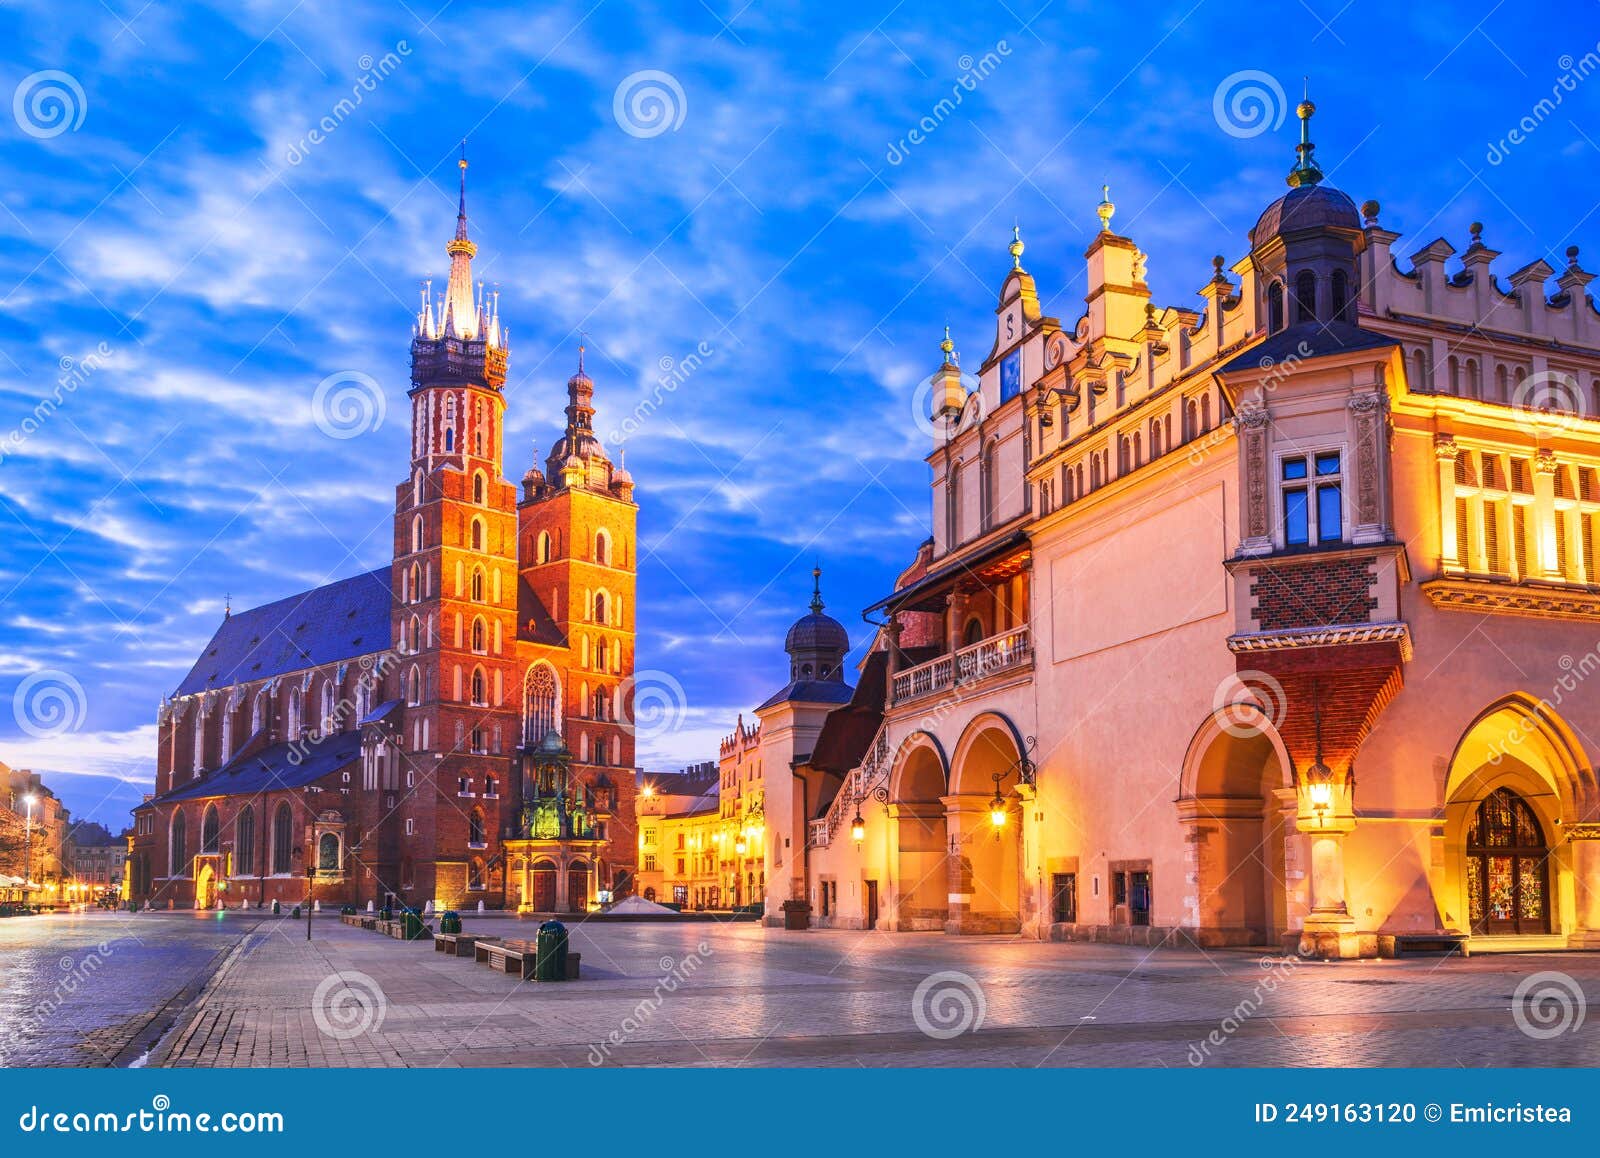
<point x="949" y="394"/>
<point x="817" y="643"/>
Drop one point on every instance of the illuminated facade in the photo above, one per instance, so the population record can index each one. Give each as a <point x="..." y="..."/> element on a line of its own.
<point x="450" y="729"/>
<point x="1268" y="623"/>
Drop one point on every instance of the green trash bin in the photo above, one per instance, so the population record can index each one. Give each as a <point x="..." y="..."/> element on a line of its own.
<point x="450" y="922"/>
<point x="411" y="925"/>
<point x="550" y="956"/>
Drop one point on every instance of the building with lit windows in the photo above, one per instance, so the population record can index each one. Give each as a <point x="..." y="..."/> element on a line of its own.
<point x="449" y="729"/>
<point x="1267" y="622"/>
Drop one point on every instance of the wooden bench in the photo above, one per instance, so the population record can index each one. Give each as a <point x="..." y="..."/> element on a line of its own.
<point x="516" y="957"/>
<point x="458" y="944"/>
<point x="397" y="930"/>
<point x="506" y="956"/>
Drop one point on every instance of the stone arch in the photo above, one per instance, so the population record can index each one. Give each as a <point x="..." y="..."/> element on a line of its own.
<point x="985" y="741"/>
<point x="1522" y="745"/>
<point x="1236" y="805"/>
<point x="919" y="780"/>
<point x="985" y="859"/>
<point x="541" y="702"/>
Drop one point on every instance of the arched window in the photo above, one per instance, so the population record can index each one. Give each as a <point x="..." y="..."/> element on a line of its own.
<point x="475" y="827"/>
<point x="475" y="874"/>
<point x="1341" y="296"/>
<point x="414" y="634"/>
<point x="416" y="533"/>
<point x="1474" y="384"/>
<point x="478" y="487"/>
<point x="414" y="687"/>
<point x="991" y="486"/>
<point x="541" y="716"/>
<point x="282" y="840"/>
<point x="477" y="584"/>
<point x="480" y="636"/>
<point x="599" y="704"/>
<point x="602" y="548"/>
<point x="602" y="654"/>
<point x="1191" y="419"/>
<point x="210" y="829"/>
<point x="292" y="728"/>
<point x="1205" y="413"/>
<point x="177" y="847"/>
<point x="1507" y="878"/>
<point x="544" y="547"/>
<point x="1305" y="296"/>
<point x="258" y="713"/>
<point x="328" y="853"/>
<point x="1419" y="372"/>
<point x="972" y="633"/>
<point x="600" y="607"/>
<point x="1454" y="371"/>
<point x="952" y="508"/>
<point x="199" y="740"/>
<point x="416" y="583"/>
<point x="1275" y="307"/>
<point x="244" y="842"/>
<point x="480" y="693"/>
<point x="416" y="488"/>
<point x="227" y="736"/>
<point x="477" y="534"/>
<point x="329" y="711"/>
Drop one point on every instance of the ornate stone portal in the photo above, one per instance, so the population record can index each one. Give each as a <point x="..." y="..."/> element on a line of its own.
<point x="557" y="834"/>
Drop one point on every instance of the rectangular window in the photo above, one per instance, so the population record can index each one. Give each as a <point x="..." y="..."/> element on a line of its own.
<point x="1463" y="533"/>
<point x="411" y="827"/>
<point x="1064" y="898"/>
<point x="1519" y="539"/>
<point x="680" y="866"/>
<point x="1590" y="560"/>
<point x="1296" y="510"/>
<point x="1561" y="544"/>
<point x="1313" y="499"/>
<point x="1119" y="889"/>
<point x="1493" y="543"/>
<point x="649" y="862"/>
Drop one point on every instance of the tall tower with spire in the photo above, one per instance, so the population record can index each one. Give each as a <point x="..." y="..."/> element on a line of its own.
<point x="455" y="618"/>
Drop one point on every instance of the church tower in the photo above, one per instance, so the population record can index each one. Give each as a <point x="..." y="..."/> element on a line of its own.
<point x="455" y="582"/>
<point x="577" y="522"/>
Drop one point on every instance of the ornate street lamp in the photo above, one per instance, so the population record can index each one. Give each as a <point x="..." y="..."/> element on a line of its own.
<point x="997" y="807"/>
<point x="858" y="827"/>
<point x="1319" y="777"/>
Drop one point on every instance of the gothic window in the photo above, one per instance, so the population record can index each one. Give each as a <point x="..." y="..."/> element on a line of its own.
<point x="258" y="713"/>
<point x="244" y="843"/>
<point x="177" y="846"/>
<point x="282" y="840"/>
<point x="227" y="736"/>
<point x="952" y="508"/>
<point x="210" y="829"/>
<point x="293" y="725"/>
<point x="414" y="634"/>
<point x="475" y="827"/>
<point x="416" y="489"/>
<point x="199" y="740"/>
<point x="491" y="787"/>
<point x="416" y="533"/>
<point x="544" y="547"/>
<point x="599" y="751"/>
<point x="1507" y="878"/>
<point x="480" y="641"/>
<point x="1341" y="296"/>
<point x="475" y="874"/>
<point x="600" y="607"/>
<point x="599" y="709"/>
<point x="477" y="584"/>
<point x="414" y="687"/>
<point x="328" y="853"/>
<point x="328" y="709"/>
<point x="477" y="534"/>
<point x="602" y="654"/>
<point x="1305" y="296"/>
<point x="478" y="484"/>
<point x="541" y="715"/>
<point x="1191" y="419"/>
<point x="479" y="692"/>
<point x="1455" y="375"/>
<point x="416" y="583"/>
<point x="602" y="548"/>
<point x="1275" y="307"/>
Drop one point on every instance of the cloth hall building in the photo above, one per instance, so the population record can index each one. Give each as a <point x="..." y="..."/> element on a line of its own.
<point x="449" y="728"/>
<point x="1274" y="621"/>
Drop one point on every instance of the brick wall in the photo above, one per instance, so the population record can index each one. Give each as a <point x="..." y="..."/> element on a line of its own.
<point x="1313" y="592"/>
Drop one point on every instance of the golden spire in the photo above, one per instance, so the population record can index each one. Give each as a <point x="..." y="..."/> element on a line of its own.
<point x="949" y="348"/>
<point x="460" y="314"/>
<point x="1016" y="247"/>
<point x="1305" y="171"/>
<point x="816" y="591"/>
<point x="1106" y="209"/>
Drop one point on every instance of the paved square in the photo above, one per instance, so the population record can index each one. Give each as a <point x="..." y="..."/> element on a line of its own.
<point x="703" y="994"/>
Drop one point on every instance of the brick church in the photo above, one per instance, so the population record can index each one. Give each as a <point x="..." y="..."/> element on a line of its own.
<point x="452" y="727"/>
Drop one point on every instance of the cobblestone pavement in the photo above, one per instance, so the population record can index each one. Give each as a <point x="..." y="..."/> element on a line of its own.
<point x="705" y="994"/>
<point x="98" y="989"/>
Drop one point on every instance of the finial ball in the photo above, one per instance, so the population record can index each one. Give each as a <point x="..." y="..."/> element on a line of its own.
<point x="1369" y="210"/>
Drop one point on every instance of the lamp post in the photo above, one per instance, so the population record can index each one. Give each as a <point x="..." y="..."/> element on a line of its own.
<point x="997" y="807"/>
<point x="27" y="845"/>
<point x="311" y="894"/>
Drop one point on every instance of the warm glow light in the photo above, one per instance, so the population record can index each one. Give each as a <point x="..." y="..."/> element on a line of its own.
<point x="1321" y="796"/>
<point x="997" y="814"/>
<point x="858" y="829"/>
<point x="647" y="791"/>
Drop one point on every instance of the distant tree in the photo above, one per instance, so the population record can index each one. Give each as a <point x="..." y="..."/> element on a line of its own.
<point x="90" y="834"/>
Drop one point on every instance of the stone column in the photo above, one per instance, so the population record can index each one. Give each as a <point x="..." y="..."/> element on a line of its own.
<point x="1367" y="416"/>
<point x="1329" y="930"/>
<point x="1250" y="425"/>
<point x="1544" y="505"/>
<point x="1444" y="452"/>
<point x="1585" y="840"/>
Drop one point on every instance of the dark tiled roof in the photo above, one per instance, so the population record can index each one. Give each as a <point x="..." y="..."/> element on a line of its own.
<point x="324" y="625"/>
<point x="811" y="692"/>
<point x="380" y="711"/>
<point x="1306" y="340"/>
<point x="280" y="766"/>
<point x="534" y="620"/>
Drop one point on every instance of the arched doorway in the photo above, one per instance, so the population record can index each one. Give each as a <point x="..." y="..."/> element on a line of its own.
<point x="985" y="857"/>
<point x="578" y="886"/>
<point x="1235" y="787"/>
<point x="205" y="887"/>
<point x="921" y="880"/>
<point x="1508" y="872"/>
<point x="544" y="886"/>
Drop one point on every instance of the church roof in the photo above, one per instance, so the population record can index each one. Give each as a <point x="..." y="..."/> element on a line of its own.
<point x="1306" y="340"/>
<point x="277" y="767"/>
<point x="342" y="620"/>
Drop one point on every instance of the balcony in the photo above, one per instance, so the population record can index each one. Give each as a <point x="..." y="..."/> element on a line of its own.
<point x="1008" y="651"/>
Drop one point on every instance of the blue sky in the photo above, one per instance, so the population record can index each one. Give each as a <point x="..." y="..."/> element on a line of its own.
<point x="183" y="251"/>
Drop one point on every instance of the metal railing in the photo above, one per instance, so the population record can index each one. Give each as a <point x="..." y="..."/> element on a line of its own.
<point x="1003" y="652"/>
